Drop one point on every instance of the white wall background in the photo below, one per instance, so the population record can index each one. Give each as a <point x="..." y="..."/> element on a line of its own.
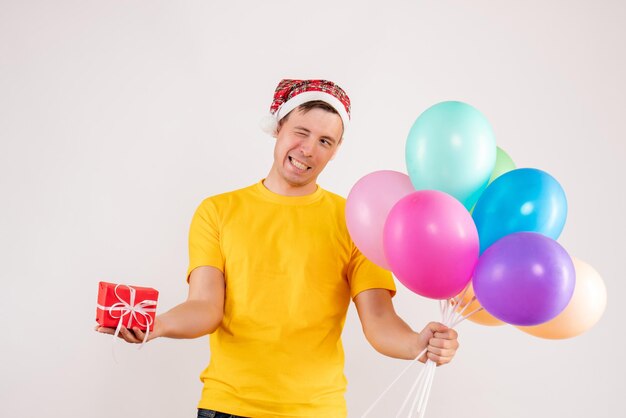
<point x="118" y="117"/>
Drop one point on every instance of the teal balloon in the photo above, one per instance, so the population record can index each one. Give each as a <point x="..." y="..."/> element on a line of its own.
<point x="451" y="148"/>
<point x="521" y="200"/>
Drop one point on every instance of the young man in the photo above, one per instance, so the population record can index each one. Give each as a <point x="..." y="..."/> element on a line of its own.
<point x="272" y="272"/>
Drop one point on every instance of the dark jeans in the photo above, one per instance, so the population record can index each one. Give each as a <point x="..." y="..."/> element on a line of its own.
<point x="208" y="413"/>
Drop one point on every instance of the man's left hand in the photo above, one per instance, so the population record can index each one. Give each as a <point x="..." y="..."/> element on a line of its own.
<point x="442" y="343"/>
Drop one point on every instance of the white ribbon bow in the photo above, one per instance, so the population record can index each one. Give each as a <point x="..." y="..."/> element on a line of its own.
<point x="134" y="311"/>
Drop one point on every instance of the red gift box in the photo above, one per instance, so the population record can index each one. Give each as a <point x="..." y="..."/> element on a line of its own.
<point x="128" y="306"/>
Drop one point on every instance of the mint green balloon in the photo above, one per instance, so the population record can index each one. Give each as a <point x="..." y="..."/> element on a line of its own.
<point x="504" y="164"/>
<point x="451" y="148"/>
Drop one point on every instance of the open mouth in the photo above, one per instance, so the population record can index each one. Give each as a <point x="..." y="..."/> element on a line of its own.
<point x="298" y="164"/>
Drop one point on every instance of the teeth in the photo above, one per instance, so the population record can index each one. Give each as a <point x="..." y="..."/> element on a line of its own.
<point x="297" y="164"/>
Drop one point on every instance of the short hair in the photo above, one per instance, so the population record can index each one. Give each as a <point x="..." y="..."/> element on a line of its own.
<point x="307" y="106"/>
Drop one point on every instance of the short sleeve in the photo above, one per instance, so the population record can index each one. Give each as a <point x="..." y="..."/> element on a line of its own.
<point x="364" y="274"/>
<point x="204" y="238"/>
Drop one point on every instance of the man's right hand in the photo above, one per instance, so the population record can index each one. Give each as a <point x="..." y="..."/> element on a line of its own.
<point x="135" y="335"/>
<point x="199" y="315"/>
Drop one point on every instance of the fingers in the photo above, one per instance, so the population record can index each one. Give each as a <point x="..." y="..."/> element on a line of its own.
<point x="105" y="330"/>
<point x="441" y="341"/>
<point x="431" y="329"/>
<point x="129" y="336"/>
<point x="448" y="339"/>
<point x="447" y="334"/>
<point x="443" y="346"/>
<point x="134" y="336"/>
<point x="424" y="357"/>
<point x="437" y="327"/>
<point x="439" y="360"/>
<point x="440" y="355"/>
<point x="139" y="334"/>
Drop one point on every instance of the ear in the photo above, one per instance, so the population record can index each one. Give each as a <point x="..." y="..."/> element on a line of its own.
<point x="277" y="128"/>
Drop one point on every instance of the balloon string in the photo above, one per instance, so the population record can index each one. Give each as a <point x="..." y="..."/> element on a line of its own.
<point x="423" y="383"/>
<point x="450" y="312"/>
<point x="472" y="300"/>
<point x="467" y="316"/>
<point x="421" y="398"/>
<point x="446" y="311"/>
<point x="458" y="303"/>
<point x="450" y="318"/>
<point x="420" y="380"/>
<point x="426" y="395"/>
<point x="394" y="382"/>
<point x="462" y="295"/>
<point x="459" y="314"/>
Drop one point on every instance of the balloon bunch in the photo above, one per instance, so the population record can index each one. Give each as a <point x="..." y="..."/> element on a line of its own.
<point x="469" y="229"/>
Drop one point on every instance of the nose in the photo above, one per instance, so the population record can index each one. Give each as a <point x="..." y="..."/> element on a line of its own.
<point x="306" y="147"/>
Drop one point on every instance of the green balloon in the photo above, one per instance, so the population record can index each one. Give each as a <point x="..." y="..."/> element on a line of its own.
<point x="504" y="164"/>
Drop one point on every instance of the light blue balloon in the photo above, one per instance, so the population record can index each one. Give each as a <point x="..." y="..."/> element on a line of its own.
<point x="522" y="200"/>
<point x="451" y="147"/>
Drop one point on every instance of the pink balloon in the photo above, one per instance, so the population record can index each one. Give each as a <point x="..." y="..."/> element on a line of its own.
<point x="367" y="206"/>
<point x="431" y="244"/>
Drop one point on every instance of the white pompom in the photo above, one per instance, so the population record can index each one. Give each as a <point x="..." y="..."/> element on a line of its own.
<point x="269" y="124"/>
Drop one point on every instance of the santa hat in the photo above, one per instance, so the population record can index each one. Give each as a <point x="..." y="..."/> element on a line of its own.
<point x="290" y="94"/>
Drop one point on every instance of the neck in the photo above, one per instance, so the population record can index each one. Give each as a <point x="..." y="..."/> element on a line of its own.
<point x="278" y="185"/>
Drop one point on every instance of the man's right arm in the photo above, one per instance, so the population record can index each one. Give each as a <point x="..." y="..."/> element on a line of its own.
<point x="199" y="315"/>
<point x="203" y="310"/>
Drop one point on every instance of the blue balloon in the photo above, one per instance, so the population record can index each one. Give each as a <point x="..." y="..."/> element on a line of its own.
<point x="522" y="200"/>
<point x="451" y="148"/>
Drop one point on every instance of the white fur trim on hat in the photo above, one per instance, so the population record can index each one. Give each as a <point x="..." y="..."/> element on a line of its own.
<point x="309" y="96"/>
<point x="269" y="123"/>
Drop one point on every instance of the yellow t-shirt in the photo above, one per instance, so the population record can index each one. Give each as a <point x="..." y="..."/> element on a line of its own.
<point x="290" y="269"/>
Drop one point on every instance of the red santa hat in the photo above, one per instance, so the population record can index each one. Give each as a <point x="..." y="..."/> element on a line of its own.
<point x="290" y="94"/>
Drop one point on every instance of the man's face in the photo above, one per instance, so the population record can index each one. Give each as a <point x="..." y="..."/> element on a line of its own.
<point x="304" y="144"/>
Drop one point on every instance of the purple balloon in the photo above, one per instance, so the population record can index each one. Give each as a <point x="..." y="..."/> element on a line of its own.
<point x="524" y="278"/>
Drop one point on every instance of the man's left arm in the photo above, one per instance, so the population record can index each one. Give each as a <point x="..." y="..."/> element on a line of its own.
<point x="391" y="336"/>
